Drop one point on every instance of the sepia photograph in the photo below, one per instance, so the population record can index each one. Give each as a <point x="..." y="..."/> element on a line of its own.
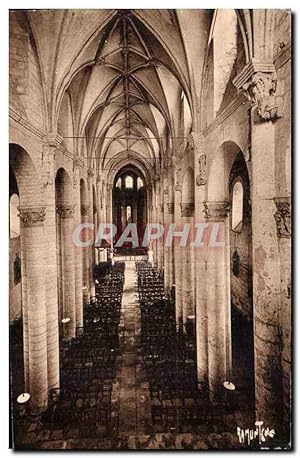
<point x="150" y="206"/>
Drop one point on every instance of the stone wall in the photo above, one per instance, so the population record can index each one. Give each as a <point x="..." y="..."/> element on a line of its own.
<point x="25" y="90"/>
<point x="283" y="176"/>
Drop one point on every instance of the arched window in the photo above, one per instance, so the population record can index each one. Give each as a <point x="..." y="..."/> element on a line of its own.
<point x="140" y="183"/>
<point x="119" y="183"/>
<point x="237" y="206"/>
<point x="14" y="220"/>
<point x="128" y="212"/>
<point x="128" y="182"/>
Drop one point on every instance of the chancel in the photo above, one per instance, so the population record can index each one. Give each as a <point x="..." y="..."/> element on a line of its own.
<point x="173" y="127"/>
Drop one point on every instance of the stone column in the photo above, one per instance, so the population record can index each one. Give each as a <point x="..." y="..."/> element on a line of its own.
<point x="25" y="321"/>
<point x="171" y="279"/>
<point x="160" y="241"/>
<point x="98" y="216"/>
<point x="85" y="210"/>
<point x="154" y="244"/>
<point x="201" y="298"/>
<point x="166" y="249"/>
<point x="258" y="82"/>
<point x="134" y="213"/>
<point x="283" y="223"/>
<point x="187" y="211"/>
<point x="200" y="261"/>
<point x="77" y="250"/>
<point x="218" y="303"/>
<point x="109" y="213"/>
<point x="91" y="248"/>
<point x="177" y="256"/>
<point x="51" y="143"/>
<point x="66" y="221"/>
<point x="123" y="217"/>
<point x="96" y="223"/>
<point x="266" y="278"/>
<point x="33" y="252"/>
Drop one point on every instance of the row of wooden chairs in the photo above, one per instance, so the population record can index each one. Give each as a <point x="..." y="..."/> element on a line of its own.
<point x="83" y="402"/>
<point x="169" y="358"/>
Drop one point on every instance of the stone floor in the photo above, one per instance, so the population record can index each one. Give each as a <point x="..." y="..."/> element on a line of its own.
<point x="168" y="441"/>
<point x="131" y="405"/>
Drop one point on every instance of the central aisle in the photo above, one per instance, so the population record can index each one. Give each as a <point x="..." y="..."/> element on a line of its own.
<point x="134" y="416"/>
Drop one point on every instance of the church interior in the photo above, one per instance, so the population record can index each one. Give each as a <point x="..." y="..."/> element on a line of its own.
<point x="169" y="118"/>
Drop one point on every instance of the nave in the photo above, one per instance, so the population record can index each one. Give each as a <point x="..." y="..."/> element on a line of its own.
<point x="129" y="380"/>
<point x="162" y="134"/>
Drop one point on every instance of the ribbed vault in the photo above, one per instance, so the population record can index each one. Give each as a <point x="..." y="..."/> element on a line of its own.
<point x="123" y="102"/>
<point x="116" y="88"/>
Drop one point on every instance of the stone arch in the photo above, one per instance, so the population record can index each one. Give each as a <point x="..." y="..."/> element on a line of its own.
<point x="64" y="188"/>
<point x="26" y="176"/>
<point x="219" y="170"/>
<point x="65" y="123"/>
<point x="114" y="166"/>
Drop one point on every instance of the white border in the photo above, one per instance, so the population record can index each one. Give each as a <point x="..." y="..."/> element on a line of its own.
<point x="39" y="4"/>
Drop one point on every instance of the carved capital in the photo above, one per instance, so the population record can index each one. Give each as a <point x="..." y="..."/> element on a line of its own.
<point x="170" y="206"/>
<point x="32" y="216"/>
<point x="258" y="81"/>
<point x="190" y="144"/>
<point x="187" y="209"/>
<point x="65" y="211"/>
<point x="216" y="211"/>
<point x="201" y="178"/>
<point x="85" y="210"/>
<point x="283" y="217"/>
<point x="194" y="142"/>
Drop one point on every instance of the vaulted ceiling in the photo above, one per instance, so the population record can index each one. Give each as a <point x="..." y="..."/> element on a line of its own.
<point x="124" y="75"/>
<point x="128" y="112"/>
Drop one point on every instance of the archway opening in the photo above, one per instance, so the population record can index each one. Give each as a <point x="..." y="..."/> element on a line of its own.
<point x="15" y="289"/>
<point x="24" y="199"/>
<point x="241" y="281"/>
